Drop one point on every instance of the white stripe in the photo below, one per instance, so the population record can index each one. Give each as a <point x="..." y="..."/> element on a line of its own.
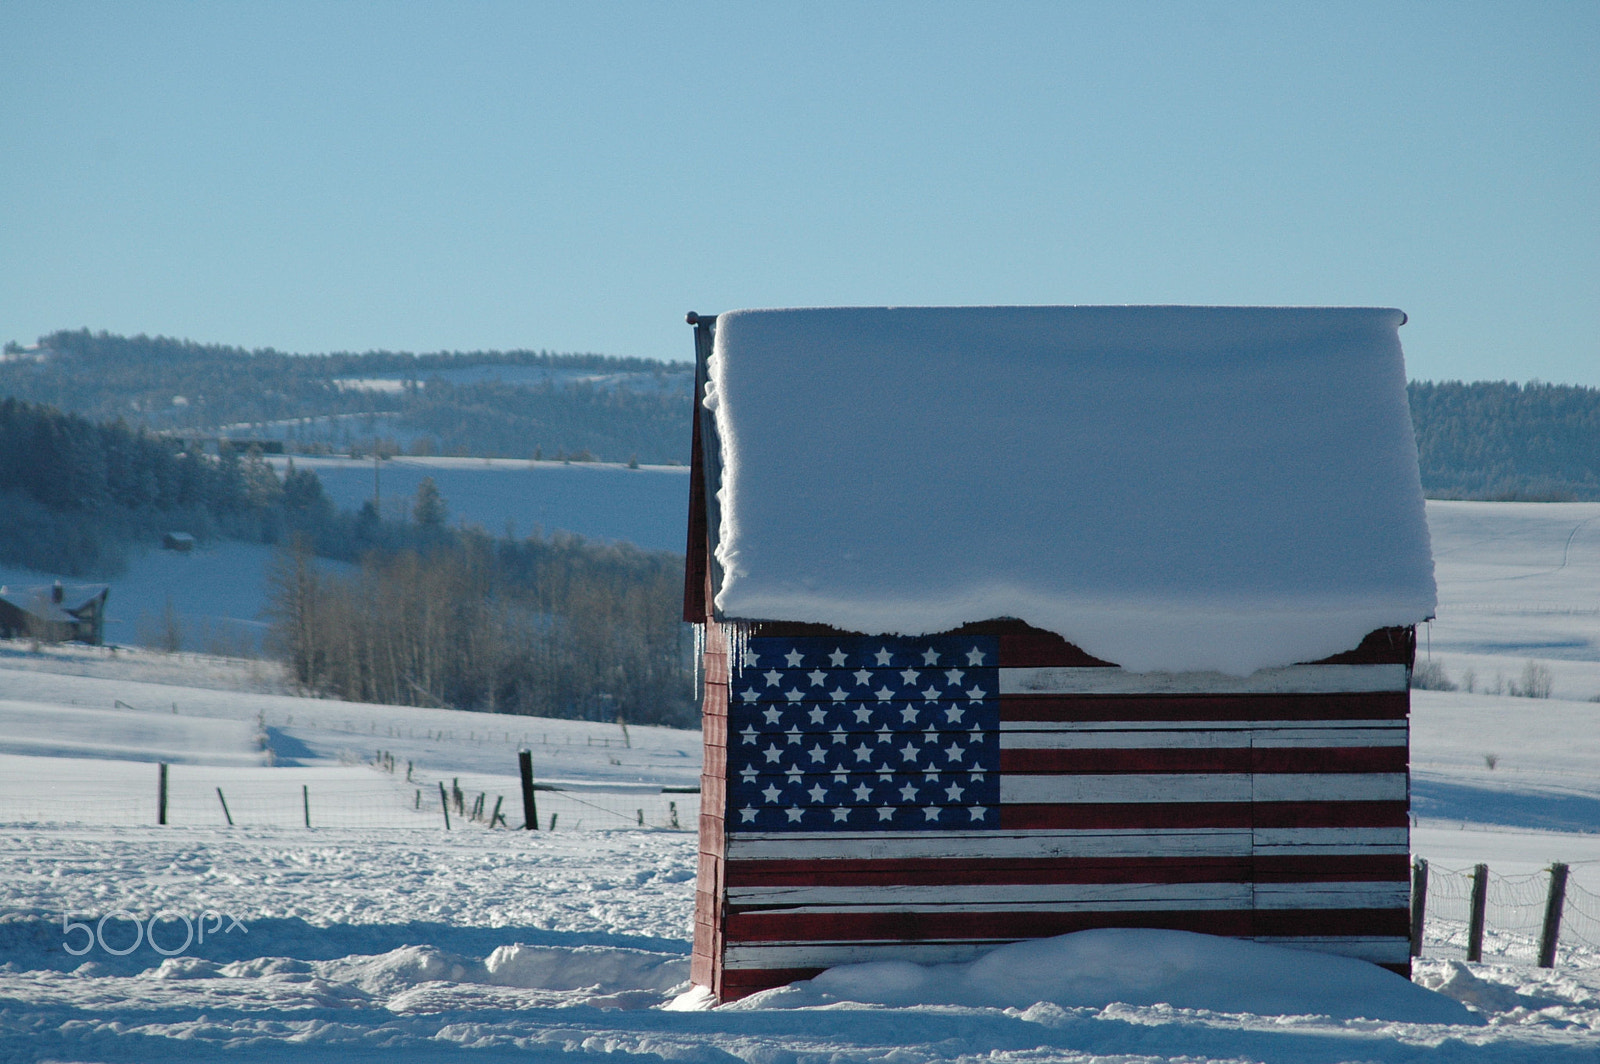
<point x="1064" y="896"/>
<point x="1296" y="679"/>
<point x="1392" y="894"/>
<point x="1130" y="788"/>
<point x="1378" y="949"/>
<point x="1224" y="904"/>
<point x="1326" y="786"/>
<point x="1150" y="842"/>
<point x="1332" y="840"/>
<point x="1181" y="737"/>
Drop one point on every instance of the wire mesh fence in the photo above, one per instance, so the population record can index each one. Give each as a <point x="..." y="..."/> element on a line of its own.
<point x="129" y="794"/>
<point x="1515" y="917"/>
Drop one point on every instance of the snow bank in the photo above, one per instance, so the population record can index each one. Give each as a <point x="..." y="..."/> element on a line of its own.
<point x="1170" y="488"/>
<point x="1093" y="969"/>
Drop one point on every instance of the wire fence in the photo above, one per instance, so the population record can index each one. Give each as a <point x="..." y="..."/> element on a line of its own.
<point x="1513" y="922"/>
<point x="371" y="795"/>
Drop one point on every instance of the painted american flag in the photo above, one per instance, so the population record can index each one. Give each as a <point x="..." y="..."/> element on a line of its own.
<point x="928" y="798"/>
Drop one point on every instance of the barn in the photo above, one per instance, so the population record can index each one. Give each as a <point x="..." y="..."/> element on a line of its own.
<point x="55" y="612"/>
<point x="1027" y="620"/>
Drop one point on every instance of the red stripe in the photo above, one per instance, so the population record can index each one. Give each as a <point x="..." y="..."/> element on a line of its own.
<point x="1376" y="705"/>
<point x="1104" y="815"/>
<point x="780" y="926"/>
<point x="1122" y="760"/>
<point x="976" y="872"/>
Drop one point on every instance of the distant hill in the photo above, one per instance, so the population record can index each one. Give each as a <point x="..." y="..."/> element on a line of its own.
<point x="510" y="404"/>
<point x="1504" y="441"/>
<point x="1480" y="440"/>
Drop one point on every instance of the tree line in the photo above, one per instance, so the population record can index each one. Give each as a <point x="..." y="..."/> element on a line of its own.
<point x="1506" y="441"/>
<point x="555" y="627"/>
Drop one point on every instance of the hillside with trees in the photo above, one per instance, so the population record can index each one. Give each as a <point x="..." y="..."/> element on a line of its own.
<point x="1499" y="440"/>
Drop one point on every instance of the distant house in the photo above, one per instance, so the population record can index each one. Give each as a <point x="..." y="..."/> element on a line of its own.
<point x="182" y="542"/>
<point x="1027" y="620"/>
<point x="56" y="612"/>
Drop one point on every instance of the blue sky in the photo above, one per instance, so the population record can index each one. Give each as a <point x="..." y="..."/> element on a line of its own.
<point x="418" y="176"/>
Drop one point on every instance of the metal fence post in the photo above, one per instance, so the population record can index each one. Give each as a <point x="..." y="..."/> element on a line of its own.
<point x="530" y="809"/>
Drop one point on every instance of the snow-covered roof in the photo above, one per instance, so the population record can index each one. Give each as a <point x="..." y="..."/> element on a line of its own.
<point x="1169" y="488"/>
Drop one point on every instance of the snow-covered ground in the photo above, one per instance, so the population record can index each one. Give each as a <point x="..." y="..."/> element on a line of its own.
<point x="376" y="933"/>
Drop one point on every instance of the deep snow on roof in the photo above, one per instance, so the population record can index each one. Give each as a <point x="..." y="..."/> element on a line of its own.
<point x="1169" y="488"/>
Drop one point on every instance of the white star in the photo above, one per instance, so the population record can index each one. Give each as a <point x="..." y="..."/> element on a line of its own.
<point x="885" y="812"/>
<point x="954" y="752"/>
<point x="773" y="753"/>
<point x="818" y="792"/>
<point x="817" y="677"/>
<point x="772" y="676"/>
<point x="837" y="658"/>
<point x="794" y="773"/>
<point x="909" y="752"/>
<point x="884" y="694"/>
<point x="908" y="715"/>
<point x="930" y="656"/>
<point x="977" y="737"/>
<point x="862" y="792"/>
<point x="748" y="659"/>
<point x="931" y="812"/>
<point x="954" y="791"/>
<point x="979" y="812"/>
<point x="975" y="777"/>
<point x="862" y="676"/>
<point x="909" y="676"/>
<point x="840" y="774"/>
<point x="793" y="694"/>
<point x="840" y="814"/>
<point x="930" y="736"/>
<point x="975" y="692"/>
<point x="953" y="676"/>
<point x="749" y="696"/>
<point x="863" y="752"/>
<point x="909" y="792"/>
<point x="794" y="658"/>
<point x="931" y="775"/>
<point x="749" y="773"/>
<point x="747" y="814"/>
<point x="974" y="656"/>
<point x="838" y="735"/>
<point x="771" y="793"/>
<point x="884" y="734"/>
<point x="818" y="754"/>
<point x="885" y="773"/>
<point x="793" y="734"/>
<point x="931" y="693"/>
<point x="794" y="814"/>
<point x="818" y="715"/>
<point x="749" y="733"/>
<point x="883" y="656"/>
<point x="772" y="713"/>
<point x="837" y="694"/>
<point x="953" y="714"/>
<point x="863" y="715"/>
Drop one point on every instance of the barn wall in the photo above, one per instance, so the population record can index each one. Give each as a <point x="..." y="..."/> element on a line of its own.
<point x="1278" y="814"/>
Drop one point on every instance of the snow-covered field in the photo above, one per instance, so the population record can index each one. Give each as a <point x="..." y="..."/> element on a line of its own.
<point x="378" y="934"/>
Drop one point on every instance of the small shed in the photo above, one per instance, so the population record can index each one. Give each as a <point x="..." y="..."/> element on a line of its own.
<point x="55" y="612"/>
<point x="182" y="542"/>
<point x="1022" y="621"/>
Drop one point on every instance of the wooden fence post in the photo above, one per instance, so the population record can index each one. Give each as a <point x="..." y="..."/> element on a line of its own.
<point x="444" y="803"/>
<point x="530" y="809"/>
<point x="1552" y="915"/>
<point x="1480" y="900"/>
<point x="161" y="794"/>
<point x="305" y="801"/>
<point x="224" y="802"/>
<point x="495" y="816"/>
<point x="1419" y="903"/>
